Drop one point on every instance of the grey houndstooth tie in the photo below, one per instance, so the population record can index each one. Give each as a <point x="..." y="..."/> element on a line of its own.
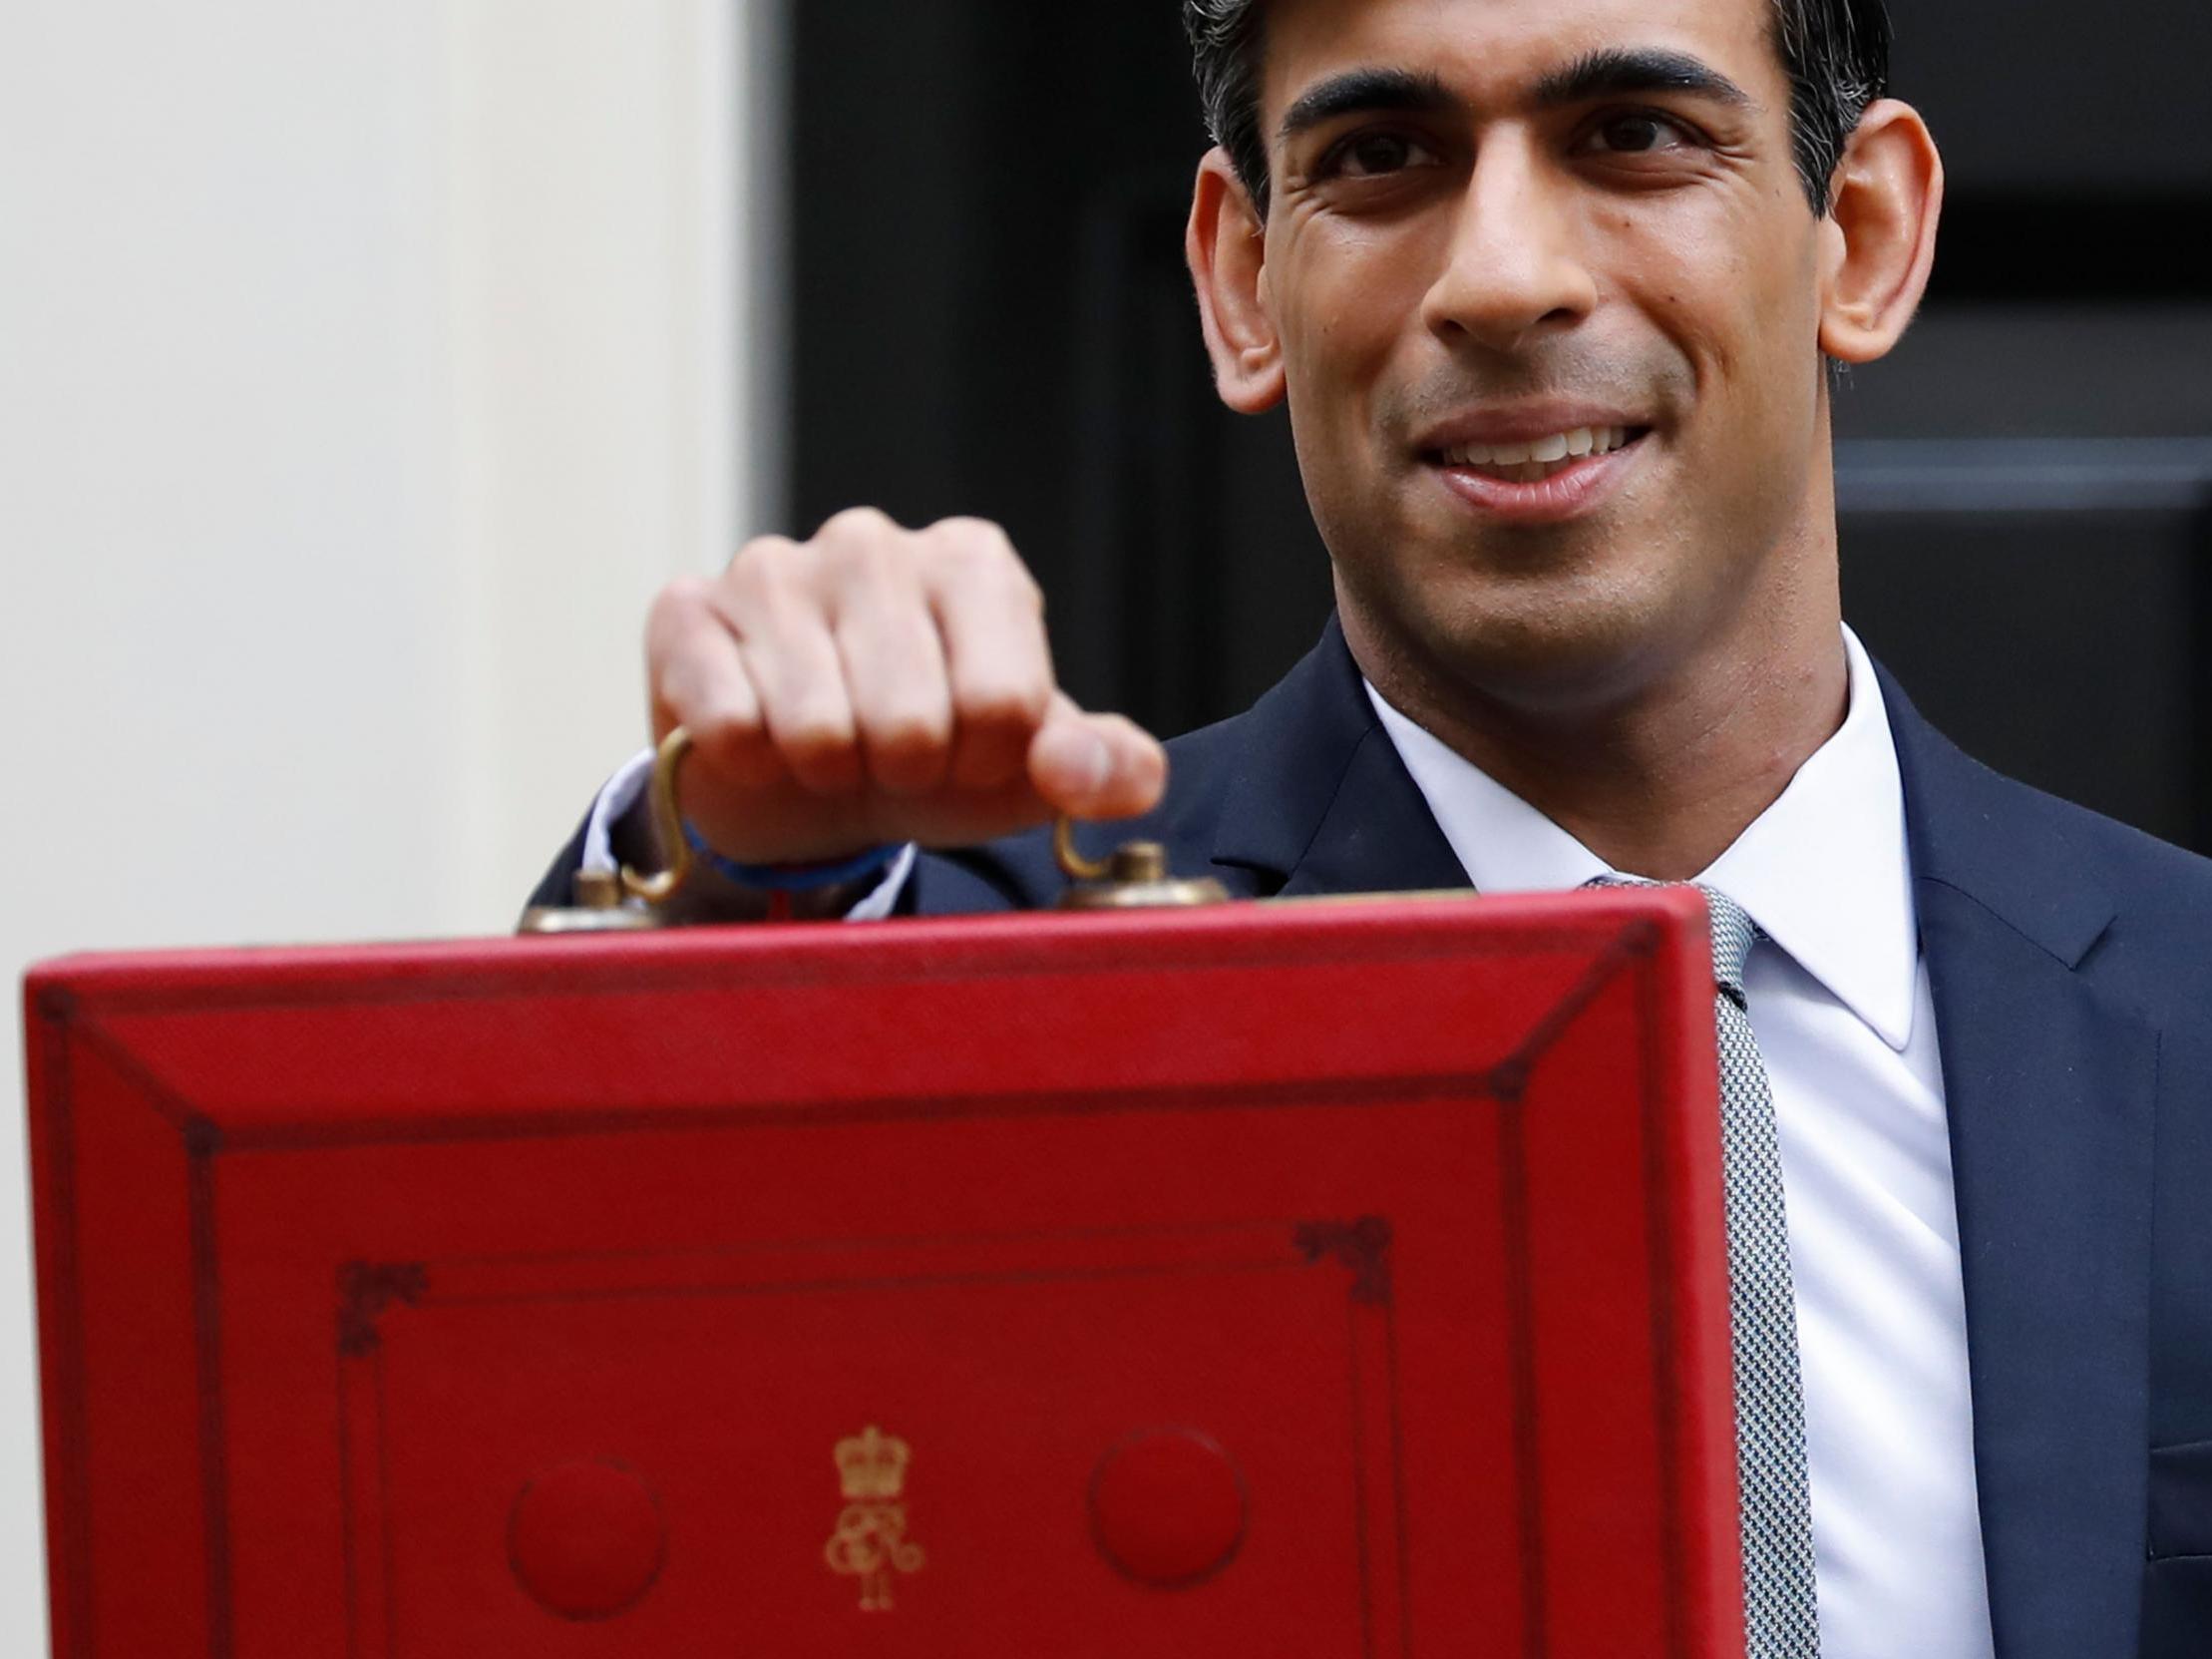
<point x="1781" y="1616"/>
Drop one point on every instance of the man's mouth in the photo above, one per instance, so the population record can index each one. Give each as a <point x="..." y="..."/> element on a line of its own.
<point x="1530" y="481"/>
<point x="1531" y="461"/>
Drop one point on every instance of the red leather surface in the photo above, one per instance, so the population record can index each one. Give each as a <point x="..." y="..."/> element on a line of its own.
<point x="1327" y="1279"/>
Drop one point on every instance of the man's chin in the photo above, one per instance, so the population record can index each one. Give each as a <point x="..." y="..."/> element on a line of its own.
<point x="1552" y="652"/>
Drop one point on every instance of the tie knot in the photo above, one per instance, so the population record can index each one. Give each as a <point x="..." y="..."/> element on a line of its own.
<point x="1733" y="931"/>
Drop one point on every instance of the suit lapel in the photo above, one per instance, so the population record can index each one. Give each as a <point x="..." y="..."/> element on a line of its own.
<point x="1322" y="803"/>
<point x="2050" y="1084"/>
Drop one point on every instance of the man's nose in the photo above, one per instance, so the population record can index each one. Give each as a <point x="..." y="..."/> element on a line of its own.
<point x="1511" y="269"/>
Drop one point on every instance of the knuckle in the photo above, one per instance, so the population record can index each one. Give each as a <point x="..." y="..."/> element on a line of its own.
<point x="980" y="535"/>
<point x="865" y="566"/>
<point x="761" y="571"/>
<point x="972" y="546"/>
<point x="856" y="524"/>
<point x="997" y="561"/>
<point x="989" y="564"/>
<point x="675" y="605"/>
<point x="880" y="563"/>
<point x="761" y="551"/>
<point x="684" y="593"/>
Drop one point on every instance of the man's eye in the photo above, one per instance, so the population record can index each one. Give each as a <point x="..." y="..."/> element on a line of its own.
<point x="1638" y="135"/>
<point x="1373" y="155"/>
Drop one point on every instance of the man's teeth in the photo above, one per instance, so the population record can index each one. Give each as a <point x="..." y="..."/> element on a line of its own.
<point x="1537" y="458"/>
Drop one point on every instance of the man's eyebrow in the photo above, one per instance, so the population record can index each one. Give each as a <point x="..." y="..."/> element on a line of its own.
<point x="1608" y="72"/>
<point x="1613" y="71"/>
<point x="1362" y="90"/>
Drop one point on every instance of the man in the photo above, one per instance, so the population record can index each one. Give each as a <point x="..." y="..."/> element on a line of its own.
<point x="1552" y="289"/>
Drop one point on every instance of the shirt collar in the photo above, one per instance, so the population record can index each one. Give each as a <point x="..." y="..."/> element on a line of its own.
<point x="1824" y="871"/>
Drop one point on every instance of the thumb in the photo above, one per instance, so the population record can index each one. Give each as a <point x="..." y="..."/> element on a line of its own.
<point x="1095" y="765"/>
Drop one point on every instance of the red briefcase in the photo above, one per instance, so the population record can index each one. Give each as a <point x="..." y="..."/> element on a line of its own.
<point x="1315" y="1281"/>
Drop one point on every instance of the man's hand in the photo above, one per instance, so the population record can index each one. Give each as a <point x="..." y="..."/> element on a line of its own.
<point x="877" y="684"/>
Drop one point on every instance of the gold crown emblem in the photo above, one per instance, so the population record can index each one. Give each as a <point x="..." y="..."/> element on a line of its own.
<point x="871" y="1465"/>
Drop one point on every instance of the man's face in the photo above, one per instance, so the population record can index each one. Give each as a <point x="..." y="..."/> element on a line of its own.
<point x="1498" y="224"/>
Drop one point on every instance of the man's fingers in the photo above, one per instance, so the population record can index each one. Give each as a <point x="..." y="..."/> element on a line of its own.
<point x="879" y="683"/>
<point x="697" y="679"/>
<point x="991" y="617"/>
<point x="800" y="679"/>
<point x="1096" y="765"/>
<point x="895" y="675"/>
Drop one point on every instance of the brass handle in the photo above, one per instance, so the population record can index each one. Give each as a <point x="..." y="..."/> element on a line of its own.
<point x="598" y="907"/>
<point x="1073" y="864"/>
<point x="668" y="825"/>
<point x="1133" y="876"/>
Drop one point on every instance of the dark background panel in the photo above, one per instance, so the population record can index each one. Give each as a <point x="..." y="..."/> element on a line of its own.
<point x="2036" y="98"/>
<point x="2060" y="645"/>
<point x="992" y="318"/>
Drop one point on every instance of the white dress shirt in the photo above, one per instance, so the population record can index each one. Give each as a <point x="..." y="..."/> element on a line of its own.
<point x="1838" y="999"/>
<point x="1839" y="1002"/>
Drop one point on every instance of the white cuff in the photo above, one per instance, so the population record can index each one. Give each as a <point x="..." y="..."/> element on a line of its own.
<point x="616" y="796"/>
<point x="620" y="793"/>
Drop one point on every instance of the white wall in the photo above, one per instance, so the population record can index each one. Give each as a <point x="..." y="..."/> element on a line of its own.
<point x="364" y="364"/>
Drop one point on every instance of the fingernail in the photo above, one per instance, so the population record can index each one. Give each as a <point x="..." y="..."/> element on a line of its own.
<point x="1097" y="761"/>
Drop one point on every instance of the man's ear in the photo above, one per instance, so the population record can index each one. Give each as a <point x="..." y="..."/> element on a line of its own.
<point x="1226" y="248"/>
<point x="1878" y="244"/>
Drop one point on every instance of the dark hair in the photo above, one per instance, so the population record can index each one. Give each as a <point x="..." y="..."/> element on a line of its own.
<point x="1836" y="53"/>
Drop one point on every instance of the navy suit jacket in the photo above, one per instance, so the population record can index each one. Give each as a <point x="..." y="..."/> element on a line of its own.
<point x="2071" y="965"/>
